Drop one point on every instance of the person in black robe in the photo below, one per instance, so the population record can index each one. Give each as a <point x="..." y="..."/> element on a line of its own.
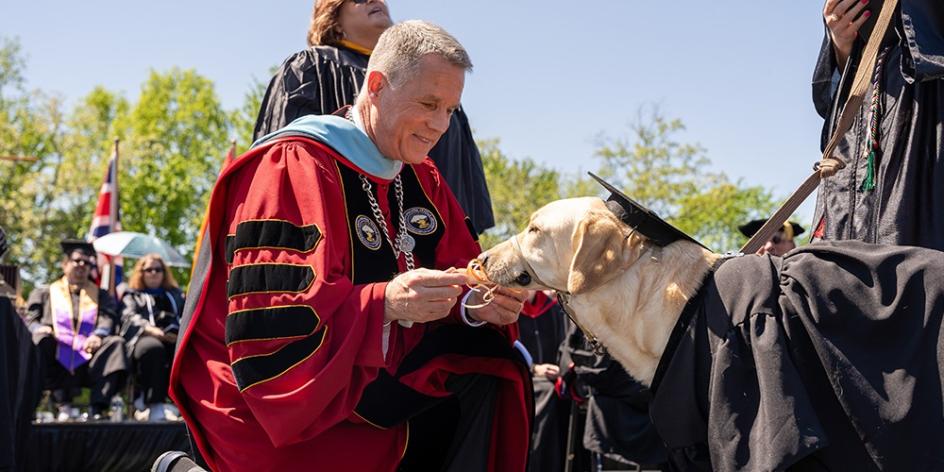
<point x="72" y="322"/>
<point x="328" y="75"/>
<point x="150" y="321"/>
<point x="826" y="359"/>
<point x="891" y="189"/>
<point x="611" y="425"/>
<point x="542" y="327"/>
<point x="20" y="377"/>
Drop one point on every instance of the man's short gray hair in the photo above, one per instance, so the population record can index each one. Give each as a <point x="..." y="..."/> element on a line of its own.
<point x="402" y="46"/>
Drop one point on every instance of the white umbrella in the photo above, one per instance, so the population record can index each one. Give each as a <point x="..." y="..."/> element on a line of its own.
<point x="137" y="245"/>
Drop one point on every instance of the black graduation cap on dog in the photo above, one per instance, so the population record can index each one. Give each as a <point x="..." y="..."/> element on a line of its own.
<point x="642" y="219"/>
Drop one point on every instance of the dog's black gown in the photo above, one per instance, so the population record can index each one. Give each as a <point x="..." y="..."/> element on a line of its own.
<point x="827" y="359"/>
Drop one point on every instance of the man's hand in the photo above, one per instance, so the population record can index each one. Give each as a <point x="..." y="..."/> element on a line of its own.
<point x="92" y="344"/>
<point x="549" y="371"/>
<point x="422" y="295"/>
<point x="839" y="16"/>
<point x="503" y="309"/>
<point x="43" y="330"/>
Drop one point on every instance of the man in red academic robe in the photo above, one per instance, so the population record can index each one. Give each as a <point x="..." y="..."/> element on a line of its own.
<point x="324" y="329"/>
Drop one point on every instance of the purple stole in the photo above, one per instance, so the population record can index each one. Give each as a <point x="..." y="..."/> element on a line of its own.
<point x="72" y="331"/>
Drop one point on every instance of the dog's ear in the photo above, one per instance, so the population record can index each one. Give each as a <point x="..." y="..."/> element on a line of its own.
<point x="604" y="247"/>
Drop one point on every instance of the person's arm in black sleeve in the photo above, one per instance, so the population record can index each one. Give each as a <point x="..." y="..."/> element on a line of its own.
<point x="132" y="314"/>
<point x="272" y="110"/>
<point x="107" y="314"/>
<point x="34" y="309"/>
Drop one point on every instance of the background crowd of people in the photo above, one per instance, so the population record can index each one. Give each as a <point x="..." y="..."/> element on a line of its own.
<point x="90" y="338"/>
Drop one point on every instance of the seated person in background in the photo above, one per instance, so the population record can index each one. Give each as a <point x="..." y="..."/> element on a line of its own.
<point x="149" y="323"/>
<point x="72" y="321"/>
<point x="780" y="243"/>
<point x="610" y="411"/>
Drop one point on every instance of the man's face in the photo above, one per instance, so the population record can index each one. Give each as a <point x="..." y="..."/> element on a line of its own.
<point x="77" y="266"/>
<point x="409" y="118"/>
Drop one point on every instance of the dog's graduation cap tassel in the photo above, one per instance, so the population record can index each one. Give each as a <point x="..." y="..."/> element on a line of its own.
<point x="642" y="219"/>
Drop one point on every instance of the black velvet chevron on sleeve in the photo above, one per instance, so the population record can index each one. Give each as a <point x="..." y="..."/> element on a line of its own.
<point x="253" y="370"/>
<point x="270" y="323"/>
<point x="272" y="234"/>
<point x="269" y="278"/>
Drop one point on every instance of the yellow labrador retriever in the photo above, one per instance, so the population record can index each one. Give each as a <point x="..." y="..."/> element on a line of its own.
<point x="624" y="291"/>
<point x="830" y="358"/>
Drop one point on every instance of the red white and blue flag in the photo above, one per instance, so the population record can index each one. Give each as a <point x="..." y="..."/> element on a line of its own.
<point x="107" y="219"/>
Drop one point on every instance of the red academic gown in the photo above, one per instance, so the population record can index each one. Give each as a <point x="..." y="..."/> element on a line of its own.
<point x="286" y="329"/>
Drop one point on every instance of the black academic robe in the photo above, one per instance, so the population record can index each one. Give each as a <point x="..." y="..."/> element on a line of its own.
<point x="826" y="359"/>
<point x="617" y="423"/>
<point x="322" y="79"/>
<point x="542" y="327"/>
<point x="906" y="205"/>
<point x="20" y="386"/>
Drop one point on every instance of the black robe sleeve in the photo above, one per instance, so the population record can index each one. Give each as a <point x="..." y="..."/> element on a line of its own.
<point x="134" y="312"/>
<point x="107" y="313"/>
<point x="923" y="25"/>
<point x="35" y="313"/>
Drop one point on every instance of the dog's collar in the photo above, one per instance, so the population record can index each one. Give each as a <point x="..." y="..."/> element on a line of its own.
<point x="563" y="299"/>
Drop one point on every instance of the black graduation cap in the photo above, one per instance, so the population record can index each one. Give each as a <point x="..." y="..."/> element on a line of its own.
<point x="752" y="227"/>
<point x="642" y="219"/>
<point x="71" y="245"/>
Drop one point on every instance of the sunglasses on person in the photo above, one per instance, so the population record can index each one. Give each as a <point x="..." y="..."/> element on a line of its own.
<point x="82" y="262"/>
<point x="154" y="270"/>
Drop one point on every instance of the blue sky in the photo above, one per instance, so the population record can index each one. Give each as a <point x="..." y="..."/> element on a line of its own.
<point x="550" y="77"/>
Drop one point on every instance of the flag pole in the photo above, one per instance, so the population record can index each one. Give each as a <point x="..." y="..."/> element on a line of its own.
<point x="113" y="214"/>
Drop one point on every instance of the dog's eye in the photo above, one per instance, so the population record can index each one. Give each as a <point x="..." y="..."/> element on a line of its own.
<point x="523" y="279"/>
<point x="533" y="229"/>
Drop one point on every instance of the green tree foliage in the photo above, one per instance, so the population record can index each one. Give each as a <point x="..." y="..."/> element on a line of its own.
<point x="173" y="139"/>
<point x="670" y="177"/>
<point x="673" y="179"/>
<point x="31" y="126"/>
<point x="244" y="117"/>
<point x="517" y="187"/>
<point x="177" y="137"/>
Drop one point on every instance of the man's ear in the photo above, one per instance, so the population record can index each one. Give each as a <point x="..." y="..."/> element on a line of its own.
<point x="604" y="247"/>
<point x="376" y="81"/>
